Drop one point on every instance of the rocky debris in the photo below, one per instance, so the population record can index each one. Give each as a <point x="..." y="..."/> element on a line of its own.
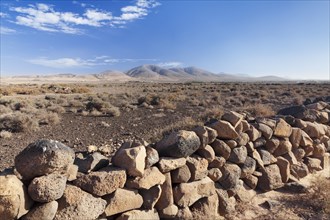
<point x="139" y="214"/>
<point x="221" y="148"/>
<point x="179" y="144"/>
<point x="284" y="147"/>
<point x="44" y="211"/>
<point x="130" y="158"/>
<point x="47" y="188"/>
<point x="150" y="196"/>
<point x="167" y="164"/>
<point x="313" y="164"/>
<point x="186" y="194"/>
<point x="226" y="203"/>
<point x="152" y="157"/>
<point x="102" y="182"/>
<point x="271" y="178"/>
<point x="198" y="167"/>
<point x="77" y="204"/>
<point x="253" y="133"/>
<point x="92" y="162"/>
<point x="207" y="207"/>
<point x="224" y="129"/>
<point x="72" y="172"/>
<point x="218" y="162"/>
<point x="207" y="153"/>
<point x="181" y="175"/>
<point x="238" y="155"/>
<point x="43" y="157"/>
<point x="272" y="144"/>
<point x="233" y="117"/>
<point x="166" y="197"/>
<point x="151" y="177"/>
<point x="14" y="199"/>
<point x="251" y="181"/>
<point x="122" y="200"/>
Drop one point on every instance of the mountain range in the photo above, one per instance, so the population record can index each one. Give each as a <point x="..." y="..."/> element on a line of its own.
<point x="152" y="73"/>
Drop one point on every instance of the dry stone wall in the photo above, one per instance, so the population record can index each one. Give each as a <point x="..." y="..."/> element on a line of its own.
<point x="200" y="172"/>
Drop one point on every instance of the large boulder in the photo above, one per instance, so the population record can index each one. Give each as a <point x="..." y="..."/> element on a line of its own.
<point x="47" y="188"/>
<point x="198" y="167"/>
<point x="230" y="176"/>
<point x="14" y="199"/>
<point x="102" y="182"/>
<point x="166" y="197"/>
<point x="179" y="144"/>
<point x="151" y="177"/>
<point x="233" y="117"/>
<point x="43" y="157"/>
<point x="224" y="129"/>
<point x="186" y="194"/>
<point x="282" y="129"/>
<point x="271" y="178"/>
<point x="131" y="158"/>
<point x="238" y="155"/>
<point x="122" y="200"/>
<point x="44" y="211"/>
<point x="181" y="175"/>
<point x="221" y="148"/>
<point x="78" y="204"/>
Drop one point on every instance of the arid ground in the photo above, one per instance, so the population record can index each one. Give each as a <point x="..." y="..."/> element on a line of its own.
<point x="107" y="114"/>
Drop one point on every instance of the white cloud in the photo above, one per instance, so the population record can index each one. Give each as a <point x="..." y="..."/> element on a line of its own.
<point x="5" y="30"/>
<point x="170" y="64"/>
<point x="78" y="62"/>
<point x="3" y="15"/>
<point x="44" y="17"/>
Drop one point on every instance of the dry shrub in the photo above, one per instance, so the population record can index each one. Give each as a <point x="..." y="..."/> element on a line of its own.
<point x="212" y="112"/>
<point x="5" y="134"/>
<point x="47" y="118"/>
<point x="112" y="111"/>
<point x="17" y="122"/>
<point x="319" y="198"/>
<point x="56" y="108"/>
<point x="261" y="110"/>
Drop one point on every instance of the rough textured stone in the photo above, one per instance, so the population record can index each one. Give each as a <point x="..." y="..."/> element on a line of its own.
<point x="218" y="162"/>
<point x="266" y="121"/>
<point x="284" y="147"/>
<point x="239" y="128"/>
<point x="221" y="148"/>
<point x="266" y="157"/>
<point x="260" y="142"/>
<point x="238" y="155"/>
<point x="92" y="162"/>
<point x="305" y="139"/>
<point x="250" y="147"/>
<point x="255" y="155"/>
<point x="72" y="172"/>
<point x="233" y="117"/>
<point x="231" y="143"/>
<point x="122" y="200"/>
<point x="242" y="139"/>
<point x="179" y="144"/>
<point x="313" y="164"/>
<point x="246" y="125"/>
<point x="198" y="167"/>
<point x="167" y="164"/>
<point x="102" y="182"/>
<point x="248" y="167"/>
<point x="207" y="208"/>
<point x="253" y="133"/>
<point x="270" y="179"/>
<point x="244" y="193"/>
<point x="230" y="176"/>
<point x="14" y="199"/>
<point x="47" y="188"/>
<point x="151" y="177"/>
<point x="151" y="196"/>
<point x="282" y="129"/>
<point x="207" y="152"/>
<point x="299" y="170"/>
<point x="186" y="194"/>
<point x="284" y="166"/>
<point x="202" y="133"/>
<point x="224" y="129"/>
<point x="77" y="204"/>
<point x="319" y="150"/>
<point x="169" y="212"/>
<point x="291" y="157"/>
<point x="272" y="144"/>
<point x="139" y="214"/>
<point x="212" y="134"/>
<point x="181" y="175"/>
<point x="43" y="157"/>
<point x="299" y="154"/>
<point x="44" y="211"/>
<point x="226" y="203"/>
<point x="184" y="213"/>
<point x="266" y="131"/>
<point x="314" y="130"/>
<point x="214" y="174"/>
<point x="251" y="181"/>
<point x="295" y="137"/>
<point x="152" y="157"/>
<point x="325" y="161"/>
<point x="131" y="158"/>
<point x="166" y="197"/>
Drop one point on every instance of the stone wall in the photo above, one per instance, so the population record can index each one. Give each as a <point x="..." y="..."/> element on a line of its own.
<point x="202" y="172"/>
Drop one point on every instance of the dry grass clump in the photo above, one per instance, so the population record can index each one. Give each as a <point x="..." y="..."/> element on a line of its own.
<point x="162" y="101"/>
<point x="260" y="110"/>
<point x="319" y="197"/>
<point x="17" y="122"/>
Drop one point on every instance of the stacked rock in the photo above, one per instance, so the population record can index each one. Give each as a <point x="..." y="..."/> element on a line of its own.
<point x="202" y="172"/>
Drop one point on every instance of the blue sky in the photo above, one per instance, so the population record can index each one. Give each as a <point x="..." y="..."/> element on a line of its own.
<point x="283" y="38"/>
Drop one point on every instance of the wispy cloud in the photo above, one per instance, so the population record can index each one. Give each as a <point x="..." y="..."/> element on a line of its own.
<point x="170" y="64"/>
<point x="5" y="30"/>
<point x="3" y="15"/>
<point x="79" y="62"/>
<point x="44" y="17"/>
